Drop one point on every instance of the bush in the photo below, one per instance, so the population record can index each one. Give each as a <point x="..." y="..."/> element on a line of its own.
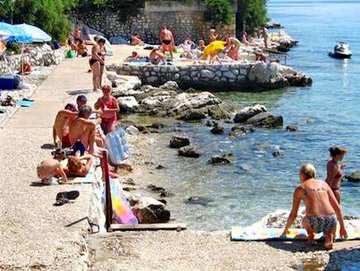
<point x="13" y="47"/>
<point x="219" y="12"/>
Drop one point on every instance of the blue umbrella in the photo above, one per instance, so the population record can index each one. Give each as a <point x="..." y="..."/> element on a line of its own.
<point x="16" y="34"/>
<point x="34" y="32"/>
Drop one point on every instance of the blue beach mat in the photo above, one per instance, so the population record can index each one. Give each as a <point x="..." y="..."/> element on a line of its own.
<point x="24" y="103"/>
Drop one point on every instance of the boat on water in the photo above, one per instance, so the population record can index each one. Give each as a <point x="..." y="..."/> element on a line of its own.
<point x="341" y="51"/>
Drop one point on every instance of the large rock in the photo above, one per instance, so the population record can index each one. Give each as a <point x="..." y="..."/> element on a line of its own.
<point x="149" y="210"/>
<point x="124" y="85"/>
<point x="218" y="112"/>
<point x="217" y="129"/>
<point x="171" y="86"/>
<point x="186" y="101"/>
<point x="192" y="115"/>
<point x="189" y="151"/>
<point x="179" y="141"/>
<point x="353" y="177"/>
<point x="128" y="104"/>
<point x="266" y="120"/>
<point x="248" y="112"/>
<point x="266" y="76"/>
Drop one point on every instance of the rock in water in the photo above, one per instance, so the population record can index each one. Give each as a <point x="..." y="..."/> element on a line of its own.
<point x="198" y="200"/>
<point x="249" y="112"/>
<point x="266" y="120"/>
<point x="353" y="177"/>
<point x="223" y="159"/>
<point x="292" y="128"/>
<point x="217" y="130"/>
<point x="192" y="115"/>
<point x="189" y="151"/>
<point x="179" y="141"/>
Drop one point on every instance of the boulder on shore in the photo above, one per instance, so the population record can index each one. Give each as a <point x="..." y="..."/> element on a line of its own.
<point x="149" y="210"/>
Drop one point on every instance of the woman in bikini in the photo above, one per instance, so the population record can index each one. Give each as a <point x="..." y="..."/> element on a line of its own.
<point x="109" y="107"/>
<point x="97" y="63"/>
<point x="334" y="170"/>
<point x="322" y="208"/>
<point x="233" y="48"/>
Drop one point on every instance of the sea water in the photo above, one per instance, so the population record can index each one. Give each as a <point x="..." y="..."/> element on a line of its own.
<point x="327" y="113"/>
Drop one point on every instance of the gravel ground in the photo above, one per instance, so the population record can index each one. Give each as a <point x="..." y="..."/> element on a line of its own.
<point x="33" y="235"/>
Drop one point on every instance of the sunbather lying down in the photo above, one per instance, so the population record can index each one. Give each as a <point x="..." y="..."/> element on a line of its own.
<point x="50" y="168"/>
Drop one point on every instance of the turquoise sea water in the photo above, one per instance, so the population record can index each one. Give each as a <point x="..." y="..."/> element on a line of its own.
<point x="328" y="113"/>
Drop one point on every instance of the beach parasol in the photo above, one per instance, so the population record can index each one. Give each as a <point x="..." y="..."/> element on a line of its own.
<point x="36" y="34"/>
<point x="16" y="34"/>
<point x="213" y="48"/>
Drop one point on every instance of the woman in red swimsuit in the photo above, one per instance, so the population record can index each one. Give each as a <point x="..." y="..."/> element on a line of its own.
<point x="109" y="107"/>
<point x="334" y="170"/>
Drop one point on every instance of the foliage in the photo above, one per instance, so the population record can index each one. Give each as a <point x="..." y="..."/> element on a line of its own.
<point x="13" y="47"/>
<point x="49" y="15"/>
<point x="251" y="15"/>
<point x="219" y="11"/>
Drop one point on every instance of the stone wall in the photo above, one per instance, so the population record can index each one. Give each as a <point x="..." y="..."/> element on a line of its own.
<point x="258" y="76"/>
<point x="184" y="19"/>
<point x="38" y="56"/>
<point x="205" y="77"/>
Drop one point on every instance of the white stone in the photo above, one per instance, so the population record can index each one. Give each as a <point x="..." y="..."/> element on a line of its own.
<point x="128" y="102"/>
<point x="207" y="74"/>
<point x="132" y="130"/>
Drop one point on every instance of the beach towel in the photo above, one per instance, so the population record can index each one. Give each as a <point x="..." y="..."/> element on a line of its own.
<point x="256" y="233"/>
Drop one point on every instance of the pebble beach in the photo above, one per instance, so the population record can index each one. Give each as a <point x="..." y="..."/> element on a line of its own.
<point x="33" y="232"/>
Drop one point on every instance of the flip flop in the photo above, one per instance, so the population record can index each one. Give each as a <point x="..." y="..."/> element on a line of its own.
<point x="65" y="197"/>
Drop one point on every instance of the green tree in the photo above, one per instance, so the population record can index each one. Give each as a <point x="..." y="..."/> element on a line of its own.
<point x="251" y="15"/>
<point x="219" y="11"/>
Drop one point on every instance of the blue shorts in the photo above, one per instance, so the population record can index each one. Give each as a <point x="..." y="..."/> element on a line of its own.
<point x="78" y="146"/>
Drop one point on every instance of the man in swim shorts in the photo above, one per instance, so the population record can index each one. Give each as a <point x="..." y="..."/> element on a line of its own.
<point x="61" y="125"/>
<point x="167" y="41"/>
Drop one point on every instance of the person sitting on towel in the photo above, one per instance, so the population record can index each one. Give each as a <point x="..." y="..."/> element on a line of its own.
<point x="50" y="168"/>
<point x="25" y="68"/>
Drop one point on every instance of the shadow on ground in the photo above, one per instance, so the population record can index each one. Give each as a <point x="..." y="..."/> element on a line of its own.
<point x="344" y="259"/>
<point x="79" y="91"/>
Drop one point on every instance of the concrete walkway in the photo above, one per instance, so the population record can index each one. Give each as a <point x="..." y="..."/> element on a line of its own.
<point x="32" y="230"/>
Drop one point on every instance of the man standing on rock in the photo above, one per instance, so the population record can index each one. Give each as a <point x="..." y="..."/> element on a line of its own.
<point x="167" y="41"/>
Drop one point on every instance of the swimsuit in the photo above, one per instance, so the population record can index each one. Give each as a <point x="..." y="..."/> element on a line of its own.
<point x="65" y="141"/>
<point x="166" y="41"/>
<point x="321" y="223"/>
<point x="108" y="123"/>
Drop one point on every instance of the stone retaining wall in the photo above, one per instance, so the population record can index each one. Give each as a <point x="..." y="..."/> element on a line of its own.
<point x="258" y="76"/>
<point x="184" y="19"/>
<point x="36" y="57"/>
<point x="205" y="77"/>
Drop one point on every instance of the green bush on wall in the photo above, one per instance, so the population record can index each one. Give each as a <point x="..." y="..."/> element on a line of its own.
<point x="13" y="47"/>
<point x="219" y="12"/>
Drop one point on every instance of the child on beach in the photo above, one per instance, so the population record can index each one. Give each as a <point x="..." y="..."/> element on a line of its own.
<point x="322" y="208"/>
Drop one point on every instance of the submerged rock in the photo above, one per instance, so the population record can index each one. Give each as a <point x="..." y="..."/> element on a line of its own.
<point x="192" y="115"/>
<point x="292" y="128"/>
<point x="223" y="159"/>
<point x="198" y="200"/>
<point x="217" y="129"/>
<point x="179" y="141"/>
<point x="189" y="151"/>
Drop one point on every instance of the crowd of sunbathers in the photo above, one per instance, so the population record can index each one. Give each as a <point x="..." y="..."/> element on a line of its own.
<point x="217" y="49"/>
<point x="80" y="130"/>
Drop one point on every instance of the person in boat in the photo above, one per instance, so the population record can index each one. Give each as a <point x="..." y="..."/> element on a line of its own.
<point x="322" y="208"/>
<point x="109" y="107"/>
<point x="334" y="170"/>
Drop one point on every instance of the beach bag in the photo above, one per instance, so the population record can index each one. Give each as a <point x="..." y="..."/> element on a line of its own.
<point x="56" y="45"/>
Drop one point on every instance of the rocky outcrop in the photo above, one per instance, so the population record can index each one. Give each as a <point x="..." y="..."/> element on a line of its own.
<point x="217" y="129"/>
<point x="221" y="159"/>
<point x="128" y="104"/>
